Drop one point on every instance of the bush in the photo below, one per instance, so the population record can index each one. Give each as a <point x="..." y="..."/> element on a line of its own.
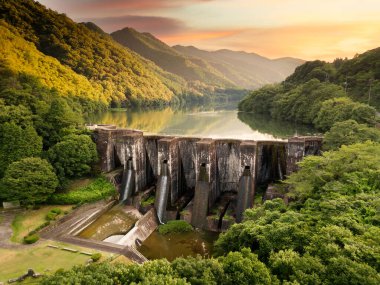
<point x="97" y="190"/>
<point x="177" y="226"/>
<point x="56" y="211"/>
<point x="51" y="216"/>
<point x="30" y="180"/>
<point x="96" y="256"/>
<point x="29" y="239"/>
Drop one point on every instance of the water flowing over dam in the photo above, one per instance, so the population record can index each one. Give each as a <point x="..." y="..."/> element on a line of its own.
<point x="208" y="182"/>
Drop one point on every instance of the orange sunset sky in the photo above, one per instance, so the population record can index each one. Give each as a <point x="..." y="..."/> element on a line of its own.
<point x="307" y="29"/>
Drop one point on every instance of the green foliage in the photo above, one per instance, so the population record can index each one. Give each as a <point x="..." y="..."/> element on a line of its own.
<point x="244" y="268"/>
<point x="347" y="133"/>
<point x="175" y="226"/>
<point x="96" y="256"/>
<point x="30" y="180"/>
<point x="73" y="156"/>
<point x="342" y="109"/>
<point x="235" y="268"/>
<point x="29" y="239"/>
<point x="149" y="201"/>
<point x="97" y="190"/>
<point x="360" y="76"/>
<point x="260" y="101"/>
<point x="350" y="170"/>
<point x="97" y="60"/>
<point x="329" y="234"/>
<point x="17" y="143"/>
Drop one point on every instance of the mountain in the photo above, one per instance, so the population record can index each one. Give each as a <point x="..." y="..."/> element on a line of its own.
<point x="122" y="74"/>
<point x="189" y="68"/>
<point x="220" y="68"/>
<point x="248" y="70"/>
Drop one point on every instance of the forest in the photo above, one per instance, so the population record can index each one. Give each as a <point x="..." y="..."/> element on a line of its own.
<point x="328" y="233"/>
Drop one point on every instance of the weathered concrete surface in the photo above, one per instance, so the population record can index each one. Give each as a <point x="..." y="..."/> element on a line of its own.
<point x="299" y="147"/>
<point x="270" y="162"/>
<point x="206" y="157"/>
<point x="188" y="154"/>
<point x="228" y="157"/>
<point x="105" y="137"/>
<point x="132" y="147"/>
<point x="168" y="151"/>
<point x="141" y="231"/>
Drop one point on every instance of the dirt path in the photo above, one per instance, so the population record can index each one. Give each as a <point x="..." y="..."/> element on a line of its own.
<point x="6" y="229"/>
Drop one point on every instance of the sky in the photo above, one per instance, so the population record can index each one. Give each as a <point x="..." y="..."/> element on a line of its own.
<point x="307" y="29"/>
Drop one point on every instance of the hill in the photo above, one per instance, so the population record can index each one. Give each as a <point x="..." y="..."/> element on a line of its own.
<point x="359" y="76"/>
<point x="189" y="68"/>
<point x="122" y="74"/>
<point x="248" y="70"/>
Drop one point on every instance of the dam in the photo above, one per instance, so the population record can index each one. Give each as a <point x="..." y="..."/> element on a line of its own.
<point x="207" y="182"/>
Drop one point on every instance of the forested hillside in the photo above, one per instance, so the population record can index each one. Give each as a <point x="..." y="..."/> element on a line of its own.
<point x="359" y="76"/>
<point x="247" y="70"/>
<point x="322" y="94"/>
<point x="121" y="74"/>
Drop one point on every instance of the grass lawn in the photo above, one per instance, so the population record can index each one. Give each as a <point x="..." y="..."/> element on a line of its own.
<point x="30" y="219"/>
<point x="42" y="259"/>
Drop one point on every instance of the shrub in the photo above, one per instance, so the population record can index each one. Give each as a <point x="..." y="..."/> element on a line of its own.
<point x="177" y="226"/>
<point x="96" y="256"/>
<point x="56" y="210"/>
<point x="29" y="239"/>
<point x="97" y="190"/>
<point x="51" y="216"/>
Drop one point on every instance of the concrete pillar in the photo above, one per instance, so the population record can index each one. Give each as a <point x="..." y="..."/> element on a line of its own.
<point x="168" y="151"/>
<point x="295" y="151"/>
<point x="206" y="155"/>
<point x="246" y="190"/>
<point x="105" y="138"/>
<point x="188" y="153"/>
<point x="270" y="161"/>
<point x="228" y="162"/>
<point x="131" y="146"/>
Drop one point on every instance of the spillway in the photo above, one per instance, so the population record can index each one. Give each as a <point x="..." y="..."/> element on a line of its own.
<point x="162" y="193"/>
<point x="128" y="182"/>
<point x="245" y="194"/>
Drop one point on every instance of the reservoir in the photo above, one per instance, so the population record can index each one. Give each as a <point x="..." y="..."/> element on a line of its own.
<point x="209" y="121"/>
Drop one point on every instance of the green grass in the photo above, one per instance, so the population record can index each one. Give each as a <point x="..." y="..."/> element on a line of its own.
<point x="42" y="259"/>
<point x="29" y="220"/>
<point x="148" y="201"/>
<point x="177" y="226"/>
<point x="98" y="189"/>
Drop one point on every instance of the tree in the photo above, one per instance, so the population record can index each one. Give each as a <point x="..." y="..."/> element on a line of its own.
<point x="31" y="180"/>
<point x="58" y="119"/>
<point x="73" y="156"/>
<point x="244" y="268"/>
<point x="17" y="143"/>
<point x="349" y="132"/>
<point x="342" y="109"/>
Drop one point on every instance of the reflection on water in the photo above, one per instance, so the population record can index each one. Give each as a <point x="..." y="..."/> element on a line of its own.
<point x="113" y="222"/>
<point x="212" y="122"/>
<point x="171" y="246"/>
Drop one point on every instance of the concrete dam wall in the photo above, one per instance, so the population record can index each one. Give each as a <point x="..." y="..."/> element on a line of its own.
<point x="208" y="182"/>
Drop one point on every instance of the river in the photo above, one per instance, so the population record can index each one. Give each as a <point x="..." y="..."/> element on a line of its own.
<point x="205" y="121"/>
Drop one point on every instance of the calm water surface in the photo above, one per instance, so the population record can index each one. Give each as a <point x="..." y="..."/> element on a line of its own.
<point x="212" y="122"/>
<point x="171" y="246"/>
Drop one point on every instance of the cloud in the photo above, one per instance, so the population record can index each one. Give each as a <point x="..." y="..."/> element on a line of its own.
<point x="96" y="6"/>
<point x="325" y="41"/>
<point x="155" y="25"/>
